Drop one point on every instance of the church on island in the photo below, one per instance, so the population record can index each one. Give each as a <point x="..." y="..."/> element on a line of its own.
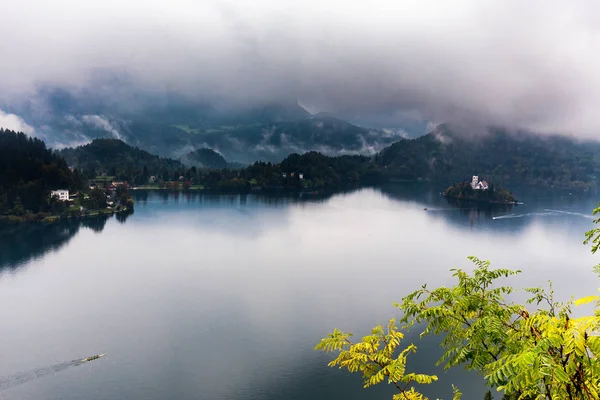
<point x="476" y="184"/>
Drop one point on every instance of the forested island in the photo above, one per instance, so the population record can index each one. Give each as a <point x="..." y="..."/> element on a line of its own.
<point x="480" y="192"/>
<point x="36" y="184"/>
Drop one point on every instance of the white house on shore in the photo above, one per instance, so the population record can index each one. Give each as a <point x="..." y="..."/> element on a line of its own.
<point x="476" y="184"/>
<point x="62" y="194"/>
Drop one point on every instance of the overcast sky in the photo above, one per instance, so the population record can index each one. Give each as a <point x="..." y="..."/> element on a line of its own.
<point x="530" y="64"/>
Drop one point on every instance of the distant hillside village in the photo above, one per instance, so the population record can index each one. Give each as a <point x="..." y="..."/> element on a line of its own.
<point x="104" y="197"/>
<point x="109" y="187"/>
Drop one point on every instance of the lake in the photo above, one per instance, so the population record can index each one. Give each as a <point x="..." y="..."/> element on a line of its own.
<point x="224" y="297"/>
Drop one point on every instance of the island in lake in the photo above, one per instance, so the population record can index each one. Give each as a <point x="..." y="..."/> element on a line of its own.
<point x="479" y="192"/>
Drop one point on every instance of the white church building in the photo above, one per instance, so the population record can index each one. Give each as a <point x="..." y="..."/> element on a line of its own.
<point x="477" y="184"/>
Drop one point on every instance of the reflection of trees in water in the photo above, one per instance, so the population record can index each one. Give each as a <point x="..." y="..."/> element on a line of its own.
<point x="96" y="223"/>
<point x="271" y="199"/>
<point x="122" y="217"/>
<point x="21" y="243"/>
<point x="141" y="195"/>
<point x="412" y="191"/>
<point x="480" y="214"/>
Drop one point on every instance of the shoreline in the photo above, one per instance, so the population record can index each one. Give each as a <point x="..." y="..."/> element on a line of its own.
<point x="52" y="218"/>
<point x="486" y="202"/>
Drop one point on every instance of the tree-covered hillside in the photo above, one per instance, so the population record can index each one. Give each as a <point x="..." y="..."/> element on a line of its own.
<point x="28" y="172"/>
<point x="115" y="158"/>
<point x="445" y="155"/>
<point x="442" y="156"/>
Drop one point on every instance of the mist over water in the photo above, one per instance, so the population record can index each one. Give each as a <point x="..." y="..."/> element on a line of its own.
<point x="224" y="297"/>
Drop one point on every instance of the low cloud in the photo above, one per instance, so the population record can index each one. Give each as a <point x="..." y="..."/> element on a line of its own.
<point x="15" y="123"/>
<point x="102" y="123"/>
<point x="530" y="65"/>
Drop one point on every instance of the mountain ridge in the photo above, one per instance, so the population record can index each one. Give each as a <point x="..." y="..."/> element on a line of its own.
<point x="172" y="125"/>
<point x="443" y="155"/>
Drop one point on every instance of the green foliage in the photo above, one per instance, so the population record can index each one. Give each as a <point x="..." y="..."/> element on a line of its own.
<point x="593" y="236"/>
<point x="377" y="358"/>
<point x="96" y="200"/>
<point x="472" y="315"/>
<point x="526" y="353"/>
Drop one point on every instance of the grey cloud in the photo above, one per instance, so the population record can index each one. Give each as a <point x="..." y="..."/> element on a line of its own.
<point x="529" y="65"/>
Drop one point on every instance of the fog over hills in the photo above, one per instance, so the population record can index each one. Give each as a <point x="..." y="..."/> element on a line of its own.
<point x="173" y="125"/>
<point x="245" y="78"/>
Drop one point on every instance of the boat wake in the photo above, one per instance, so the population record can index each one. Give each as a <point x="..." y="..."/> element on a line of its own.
<point x="545" y="213"/>
<point x="20" y="378"/>
<point x="587" y="216"/>
<point x="531" y="214"/>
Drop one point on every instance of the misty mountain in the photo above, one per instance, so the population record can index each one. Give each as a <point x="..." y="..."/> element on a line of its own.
<point x="172" y="125"/>
<point x="204" y="158"/>
<point x="446" y="154"/>
<point x="271" y="141"/>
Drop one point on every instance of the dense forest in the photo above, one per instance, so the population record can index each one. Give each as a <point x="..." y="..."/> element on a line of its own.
<point x="115" y="158"/>
<point x="28" y="171"/>
<point x="310" y="171"/>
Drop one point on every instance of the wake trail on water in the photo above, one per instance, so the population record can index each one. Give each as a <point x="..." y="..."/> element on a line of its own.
<point x="545" y="213"/>
<point x="20" y="378"/>
<point x="531" y="214"/>
<point x="572" y="213"/>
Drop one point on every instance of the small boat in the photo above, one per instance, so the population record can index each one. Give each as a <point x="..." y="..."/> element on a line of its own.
<point x="93" y="357"/>
<point x="425" y="209"/>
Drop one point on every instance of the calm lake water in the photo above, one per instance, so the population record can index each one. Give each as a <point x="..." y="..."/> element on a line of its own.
<point x="224" y="297"/>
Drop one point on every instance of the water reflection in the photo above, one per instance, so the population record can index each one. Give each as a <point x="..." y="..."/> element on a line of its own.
<point x="22" y="243"/>
<point x="224" y="297"/>
<point x="142" y="197"/>
<point x="122" y="217"/>
<point x="541" y="206"/>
